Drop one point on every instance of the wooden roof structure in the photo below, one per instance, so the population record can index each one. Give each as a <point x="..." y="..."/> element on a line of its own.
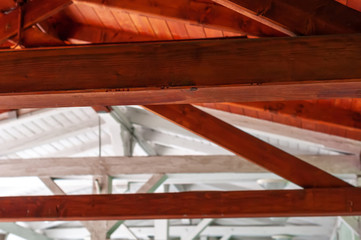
<point x="289" y="62"/>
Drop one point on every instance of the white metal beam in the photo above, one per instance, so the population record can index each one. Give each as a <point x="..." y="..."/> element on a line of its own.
<point x="204" y="223"/>
<point x="23" y="232"/>
<point x="122" y="119"/>
<point x="150" y="186"/>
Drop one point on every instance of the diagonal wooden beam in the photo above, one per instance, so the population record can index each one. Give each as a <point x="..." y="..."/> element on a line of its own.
<point x="34" y="11"/>
<point x="339" y="144"/>
<point x="271" y="203"/>
<point x="33" y="37"/>
<point x="203" y="13"/>
<point x="182" y="72"/>
<point x="315" y="116"/>
<point x="306" y="17"/>
<point x="247" y="146"/>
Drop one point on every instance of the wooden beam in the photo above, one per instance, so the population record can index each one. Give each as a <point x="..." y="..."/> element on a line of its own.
<point x="336" y="143"/>
<point x="148" y="187"/>
<point x="247" y="146"/>
<point x="284" y="203"/>
<point x="255" y="16"/>
<point x="113" y="166"/>
<point x="202" y="13"/>
<point x="34" y="11"/>
<point x="251" y="232"/>
<point x="306" y="17"/>
<point x="201" y="71"/>
<point x="315" y="116"/>
<point x="52" y="186"/>
<point x="309" y="230"/>
<point x="33" y="37"/>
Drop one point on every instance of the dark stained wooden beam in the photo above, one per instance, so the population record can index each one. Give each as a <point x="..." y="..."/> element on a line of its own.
<point x="34" y="11"/>
<point x="306" y="17"/>
<point x="220" y="70"/>
<point x="204" y="13"/>
<point x="272" y="203"/>
<point x="315" y="116"/>
<point x="247" y="146"/>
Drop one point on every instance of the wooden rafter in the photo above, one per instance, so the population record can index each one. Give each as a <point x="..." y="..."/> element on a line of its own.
<point x="200" y="70"/>
<point x="202" y="13"/>
<point x="34" y="11"/>
<point x="33" y="37"/>
<point x="272" y="203"/>
<point x="306" y="17"/>
<point x="313" y="116"/>
<point x="247" y="146"/>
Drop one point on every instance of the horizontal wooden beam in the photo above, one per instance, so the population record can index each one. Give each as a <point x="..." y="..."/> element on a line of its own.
<point x="247" y="146"/>
<point x="182" y="72"/>
<point x="113" y="166"/>
<point x="315" y="116"/>
<point x="272" y="203"/>
<point x="211" y="231"/>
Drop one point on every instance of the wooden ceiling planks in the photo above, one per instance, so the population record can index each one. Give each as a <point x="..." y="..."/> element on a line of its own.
<point x="203" y="14"/>
<point x="91" y="34"/>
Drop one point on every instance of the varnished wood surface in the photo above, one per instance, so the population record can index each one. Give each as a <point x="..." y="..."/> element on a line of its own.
<point x="306" y="17"/>
<point x="193" y="13"/>
<point x="242" y="93"/>
<point x="321" y="116"/>
<point x="182" y="71"/>
<point x="34" y="11"/>
<point x="272" y="203"/>
<point x="247" y="146"/>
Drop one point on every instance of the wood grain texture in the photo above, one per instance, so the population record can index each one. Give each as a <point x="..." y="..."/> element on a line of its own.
<point x="182" y="71"/>
<point x="247" y="146"/>
<point x="316" y="116"/>
<point x="114" y="166"/>
<point x="91" y="34"/>
<point x="285" y="203"/>
<point x="33" y="37"/>
<point x="34" y="11"/>
<point x="202" y="13"/>
<point x="306" y="17"/>
<point x="179" y="95"/>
